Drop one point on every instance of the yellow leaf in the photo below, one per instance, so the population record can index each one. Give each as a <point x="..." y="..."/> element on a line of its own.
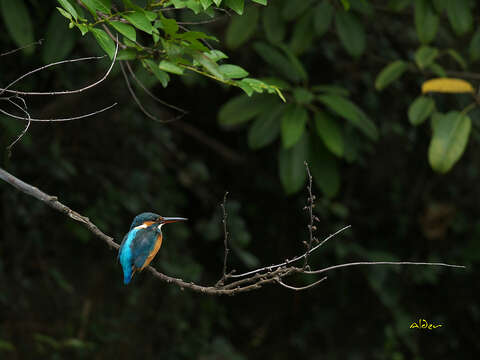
<point x="447" y="85"/>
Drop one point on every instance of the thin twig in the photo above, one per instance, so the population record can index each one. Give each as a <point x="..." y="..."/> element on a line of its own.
<point x="225" y="241"/>
<point x="149" y="93"/>
<point x="288" y="262"/>
<point x="137" y="100"/>
<point x="38" y="42"/>
<point x="380" y="263"/>
<point x="303" y="287"/>
<point x="66" y="92"/>
<point x="309" y="207"/>
<point x="58" y="119"/>
<point x="24" y="131"/>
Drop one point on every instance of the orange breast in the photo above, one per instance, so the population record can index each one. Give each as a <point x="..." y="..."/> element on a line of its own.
<point x="154" y="251"/>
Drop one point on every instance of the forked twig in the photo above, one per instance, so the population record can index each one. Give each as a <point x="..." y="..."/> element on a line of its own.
<point x="65" y="92"/>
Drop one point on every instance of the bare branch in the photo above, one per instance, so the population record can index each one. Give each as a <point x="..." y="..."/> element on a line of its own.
<point x="288" y="262"/>
<point x="303" y="287"/>
<point x="258" y="278"/>
<point x="381" y="263"/>
<point x="53" y="202"/>
<point x="66" y="92"/>
<point x="24" y="131"/>
<point x="136" y="99"/>
<point x="149" y="93"/>
<point x="38" y="42"/>
<point x="58" y="119"/>
<point x="225" y="241"/>
<point x="309" y="207"/>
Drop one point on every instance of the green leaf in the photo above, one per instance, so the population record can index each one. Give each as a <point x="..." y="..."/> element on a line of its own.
<point x="302" y="36"/>
<point x="215" y="55"/>
<point x="331" y="89"/>
<point x="323" y="16"/>
<point x="209" y="65"/>
<point x="297" y="66"/>
<point x="277" y="60"/>
<point x="127" y="54"/>
<point x="233" y="71"/>
<point x="140" y="21"/>
<point x="64" y="13"/>
<point x="151" y="15"/>
<point x="346" y="4"/>
<point x="302" y="95"/>
<point x="351" y="33"/>
<point x="206" y="4"/>
<point x="293" y="9"/>
<point x="83" y="28"/>
<point x="438" y="70"/>
<point x="457" y="57"/>
<point x="70" y="9"/>
<point x="329" y="132"/>
<point x="265" y="128"/>
<point x="58" y="44"/>
<point x="241" y="28"/>
<point x="324" y="168"/>
<point x="170" y="67"/>
<point x="390" y="73"/>
<point x="18" y="23"/>
<point x="124" y="29"/>
<point x="290" y="166"/>
<point x="474" y="48"/>
<point x="425" y="56"/>
<point x="426" y="21"/>
<point x="420" y="110"/>
<point x="162" y="76"/>
<point x="170" y="26"/>
<point x="273" y="24"/>
<point x="104" y="41"/>
<point x="351" y="112"/>
<point x="235" y="5"/>
<point x="449" y="139"/>
<point x="242" y="108"/>
<point x="460" y="16"/>
<point x="98" y="5"/>
<point x="294" y="120"/>
<point x="261" y="2"/>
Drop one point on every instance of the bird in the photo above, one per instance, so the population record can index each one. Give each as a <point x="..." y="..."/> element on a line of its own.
<point x="142" y="242"/>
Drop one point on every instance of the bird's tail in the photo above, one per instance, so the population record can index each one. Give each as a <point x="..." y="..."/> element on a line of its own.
<point x="127" y="276"/>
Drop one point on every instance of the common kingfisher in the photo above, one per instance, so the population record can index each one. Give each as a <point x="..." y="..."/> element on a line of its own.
<point x="142" y="242"/>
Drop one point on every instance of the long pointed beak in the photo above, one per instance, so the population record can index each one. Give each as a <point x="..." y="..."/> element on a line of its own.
<point x="167" y="220"/>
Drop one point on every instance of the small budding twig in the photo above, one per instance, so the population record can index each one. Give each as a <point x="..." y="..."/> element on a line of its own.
<point x="226" y="234"/>
<point x="309" y="207"/>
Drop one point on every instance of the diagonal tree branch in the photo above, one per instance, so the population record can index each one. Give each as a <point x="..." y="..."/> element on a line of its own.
<point x="256" y="279"/>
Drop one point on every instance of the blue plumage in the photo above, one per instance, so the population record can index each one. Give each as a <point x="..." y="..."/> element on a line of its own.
<point x="125" y="255"/>
<point x="141" y="243"/>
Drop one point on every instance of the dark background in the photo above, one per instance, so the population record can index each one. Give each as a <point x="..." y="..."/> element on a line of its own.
<point x="61" y="290"/>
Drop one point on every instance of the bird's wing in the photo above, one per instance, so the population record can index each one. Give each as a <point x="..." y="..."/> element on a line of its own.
<point x="142" y="246"/>
<point x="121" y="246"/>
